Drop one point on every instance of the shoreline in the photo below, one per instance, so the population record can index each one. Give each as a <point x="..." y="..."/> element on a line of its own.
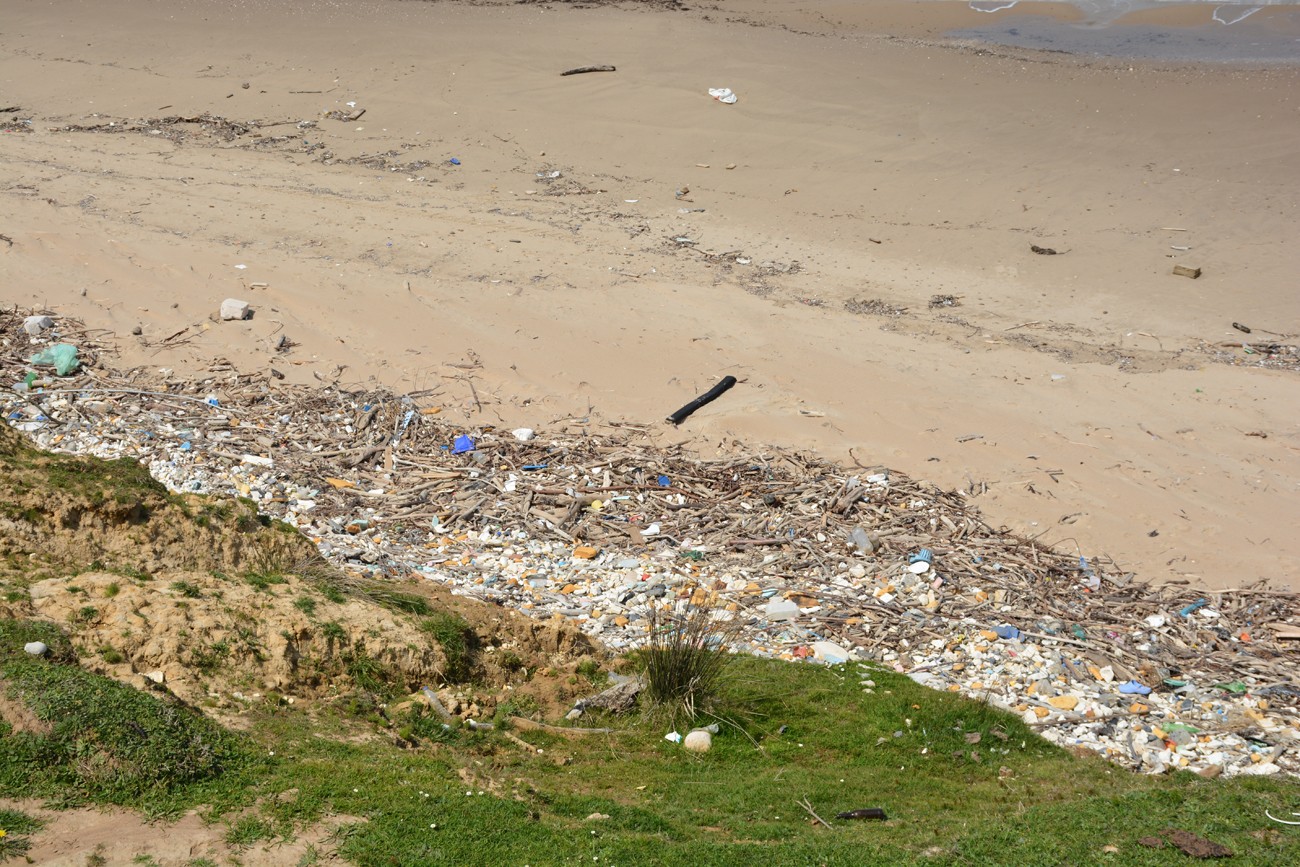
<point x="1174" y="33"/>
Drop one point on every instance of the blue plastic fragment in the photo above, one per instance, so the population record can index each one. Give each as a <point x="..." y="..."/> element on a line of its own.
<point x="212" y="401"/>
<point x="925" y="555"/>
<point x="1134" y="688"/>
<point x="534" y="466"/>
<point x="463" y="443"/>
<point x="454" y="161"/>
<point x="665" y="482"/>
<point x="186" y="446"/>
<point x="1199" y="603"/>
<point x="1008" y="632"/>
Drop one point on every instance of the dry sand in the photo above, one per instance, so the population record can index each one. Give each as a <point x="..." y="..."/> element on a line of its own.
<point x="76" y="837"/>
<point x="872" y="162"/>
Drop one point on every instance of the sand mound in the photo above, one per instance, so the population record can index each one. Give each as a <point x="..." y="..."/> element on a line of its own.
<point x="59" y="512"/>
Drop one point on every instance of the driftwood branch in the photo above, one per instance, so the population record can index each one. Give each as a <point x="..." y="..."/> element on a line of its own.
<point x="579" y="70"/>
<point x="530" y="725"/>
<point x="706" y="398"/>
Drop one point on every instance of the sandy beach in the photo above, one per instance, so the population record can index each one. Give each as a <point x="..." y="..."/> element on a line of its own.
<point x="415" y="197"/>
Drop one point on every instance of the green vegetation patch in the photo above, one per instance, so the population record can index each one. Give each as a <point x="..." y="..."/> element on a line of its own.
<point x="15" y="828"/>
<point x="122" y="481"/>
<point x="458" y="642"/>
<point x="787" y="733"/>
<point x="100" y="740"/>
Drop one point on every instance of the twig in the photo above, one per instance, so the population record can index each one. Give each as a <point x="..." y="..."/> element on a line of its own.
<point x="133" y="391"/>
<point x="808" y="806"/>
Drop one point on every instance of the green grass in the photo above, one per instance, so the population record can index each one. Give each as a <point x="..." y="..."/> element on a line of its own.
<point x="263" y="580"/>
<point x="333" y="594"/>
<point x="684" y="660"/>
<point x="457" y="641"/>
<point x="588" y="669"/>
<point x="111" y="656"/>
<point x="249" y="830"/>
<point x="188" y="589"/>
<point x="788" y="732"/>
<point x="106" y="742"/>
<point x="902" y="749"/>
<point x="15" y="829"/>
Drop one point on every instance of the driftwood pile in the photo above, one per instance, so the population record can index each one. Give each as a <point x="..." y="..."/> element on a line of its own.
<point x="787" y="518"/>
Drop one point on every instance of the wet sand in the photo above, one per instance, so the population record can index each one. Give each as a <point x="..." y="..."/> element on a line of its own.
<point x="1081" y="397"/>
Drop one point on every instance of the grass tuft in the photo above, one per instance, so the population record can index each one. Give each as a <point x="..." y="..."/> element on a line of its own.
<point x="458" y="643"/>
<point x="15" y="826"/>
<point x="685" y="659"/>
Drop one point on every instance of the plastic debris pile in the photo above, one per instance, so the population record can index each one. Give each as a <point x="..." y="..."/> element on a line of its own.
<point x="817" y="561"/>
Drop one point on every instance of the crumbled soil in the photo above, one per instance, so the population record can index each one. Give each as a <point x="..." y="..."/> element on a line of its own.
<point x="19" y="716"/>
<point x="1197" y="847"/>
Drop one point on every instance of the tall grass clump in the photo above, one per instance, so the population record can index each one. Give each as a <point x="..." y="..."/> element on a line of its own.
<point x="458" y="641"/>
<point x="686" y="657"/>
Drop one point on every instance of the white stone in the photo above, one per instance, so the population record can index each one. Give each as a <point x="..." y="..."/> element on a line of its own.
<point x="155" y="676"/>
<point x="34" y="325"/>
<point x="524" y="434"/>
<point x="700" y="741"/>
<point x="782" y="609"/>
<point x="233" y="308"/>
<point x="1261" y="770"/>
<point x="36" y="648"/>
